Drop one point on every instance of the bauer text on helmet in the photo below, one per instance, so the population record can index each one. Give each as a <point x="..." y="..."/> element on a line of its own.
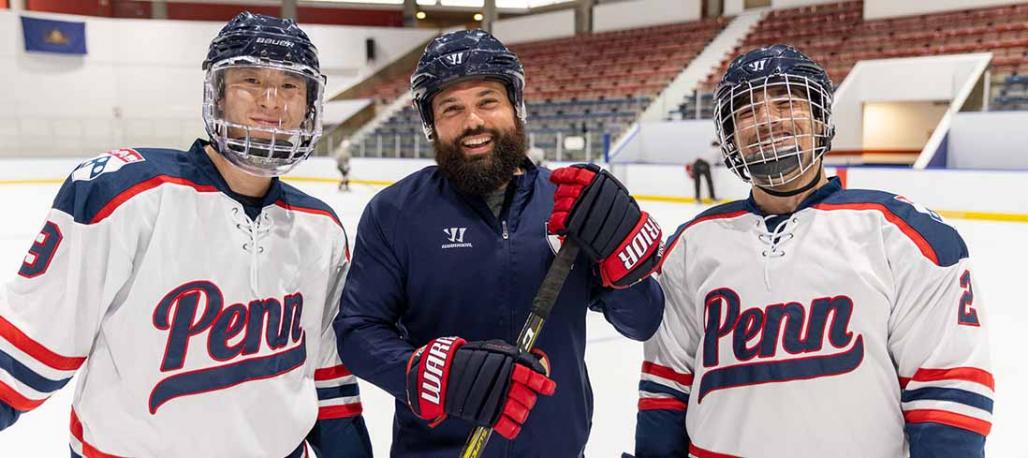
<point x="263" y="94"/>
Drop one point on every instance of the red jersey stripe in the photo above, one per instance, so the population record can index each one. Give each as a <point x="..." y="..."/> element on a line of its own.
<point x="340" y="411"/>
<point x="701" y="453"/>
<point x="969" y="374"/>
<point x="313" y="211"/>
<point x="666" y="372"/>
<point x="36" y="350"/>
<point x="154" y="182"/>
<point x="918" y="239"/>
<point x="88" y="451"/>
<point x="330" y="373"/>
<point x="15" y="399"/>
<point x="661" y="404"/>
<point x="943" y="417"/>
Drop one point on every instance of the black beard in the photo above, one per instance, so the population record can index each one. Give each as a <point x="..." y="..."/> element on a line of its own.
<point x="481" y="175"/>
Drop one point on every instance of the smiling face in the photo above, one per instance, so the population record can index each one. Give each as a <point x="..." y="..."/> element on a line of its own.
<point x="264" y="98"/>
<point x="472" y="114"/>
<point x="776" y="132"/>
<point x="775" y="121"/>
<point x="479" y="141"/>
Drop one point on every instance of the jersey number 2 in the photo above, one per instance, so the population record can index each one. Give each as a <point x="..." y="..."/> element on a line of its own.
<point x="967" y="315"/>
<point x="42" y="251"/>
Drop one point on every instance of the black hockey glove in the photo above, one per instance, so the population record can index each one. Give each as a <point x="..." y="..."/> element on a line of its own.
<point x="595" y="210"/>
<point x="487" y="383"/>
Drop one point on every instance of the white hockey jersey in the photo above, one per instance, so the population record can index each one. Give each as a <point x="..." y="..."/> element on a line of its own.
<point x="197" y="331"/>
<point x="827" y="332"/>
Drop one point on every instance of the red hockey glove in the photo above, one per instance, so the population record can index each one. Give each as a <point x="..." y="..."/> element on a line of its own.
<point x="595" y="210"/>
<point x="487" y="383"/>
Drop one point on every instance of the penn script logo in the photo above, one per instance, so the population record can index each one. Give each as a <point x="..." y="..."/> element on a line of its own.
<point x="245" y="341"/>
<point x="781" y="342"/>
<point x="455" y="235"/>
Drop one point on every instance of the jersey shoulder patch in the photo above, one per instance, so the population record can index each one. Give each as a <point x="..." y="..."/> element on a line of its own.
<point x="937" y="240"/>
<point x="108" y="162"/>
<point x="96" y="187"/>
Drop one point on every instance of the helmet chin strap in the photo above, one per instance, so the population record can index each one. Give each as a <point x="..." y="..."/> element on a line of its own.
<point x="800" y="190"/>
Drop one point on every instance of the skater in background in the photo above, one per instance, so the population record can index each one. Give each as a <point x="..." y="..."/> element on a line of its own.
<point x="537" y="156"/>
<point x="700" y="168"/>
<point x="343" y="165"/>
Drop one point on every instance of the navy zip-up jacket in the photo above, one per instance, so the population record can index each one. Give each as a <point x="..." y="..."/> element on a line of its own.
<point x="432" y="262"/>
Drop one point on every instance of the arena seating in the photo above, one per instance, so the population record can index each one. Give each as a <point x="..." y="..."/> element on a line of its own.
<point x="593" y="86"/>
<point x="836" y="35"/>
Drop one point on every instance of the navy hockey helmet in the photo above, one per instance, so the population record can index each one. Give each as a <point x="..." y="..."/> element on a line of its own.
<point x="270" y="38"/>
<point x="461" y="55"/>
<point x="283" y="65"/>
<point x="773" y="114"/>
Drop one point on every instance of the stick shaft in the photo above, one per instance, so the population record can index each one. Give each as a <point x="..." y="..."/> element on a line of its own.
<point x="543" y="302"/>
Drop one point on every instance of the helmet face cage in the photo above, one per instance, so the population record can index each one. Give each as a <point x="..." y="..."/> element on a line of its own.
<point x="265" y="149"/>
<point x="773" y="129"/>
<point x="460" y="56"/>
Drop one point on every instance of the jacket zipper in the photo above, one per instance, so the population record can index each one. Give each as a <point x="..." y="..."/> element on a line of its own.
<point x="506" y="235"/>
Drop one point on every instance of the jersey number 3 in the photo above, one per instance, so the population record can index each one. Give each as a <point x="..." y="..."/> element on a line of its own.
<point x="42" y="251"/>
<point x="967" y="315"/>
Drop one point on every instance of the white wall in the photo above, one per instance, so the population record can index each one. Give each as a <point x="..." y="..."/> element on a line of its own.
<point x="535" y="27"/>
<point x="954" y="190"/>
<point x="913" y="79"/>
<point x="900" y="125"/>
<point x="141" y="83"/>
<point x="734" y="7"/>
<point x="642" y="13"/>
<point x="989" y="140"/>
<point x="782" y="4"/>
<point x="878" y="9"/>
<point x="675" y="142"/>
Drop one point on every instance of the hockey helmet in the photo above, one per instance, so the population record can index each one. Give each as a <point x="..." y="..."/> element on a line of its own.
<point x="462" y="55"/>
<point x="273" y="63"/>
<point x="773" y="115"/>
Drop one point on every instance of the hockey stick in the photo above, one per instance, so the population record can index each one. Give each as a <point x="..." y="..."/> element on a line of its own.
<point x="541" y="306"/>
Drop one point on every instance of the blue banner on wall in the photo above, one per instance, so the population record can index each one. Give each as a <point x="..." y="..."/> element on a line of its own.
<point x="46" y="35"/>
